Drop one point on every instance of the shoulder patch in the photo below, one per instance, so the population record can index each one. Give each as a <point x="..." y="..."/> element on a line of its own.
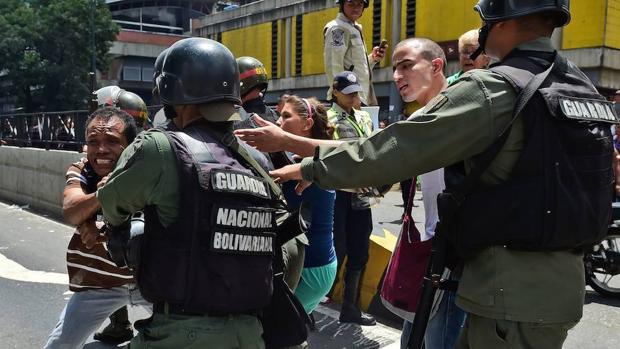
<point x="436" y="103"/>
<point x="588" y="109"/>
<point x="338" y="37"/>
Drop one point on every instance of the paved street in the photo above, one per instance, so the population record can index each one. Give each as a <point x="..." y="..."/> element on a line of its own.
<point x="34" y="291"/>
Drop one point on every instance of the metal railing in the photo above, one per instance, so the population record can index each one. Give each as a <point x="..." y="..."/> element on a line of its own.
<point x="49" y="130"/>
<point x="63" y="130"/>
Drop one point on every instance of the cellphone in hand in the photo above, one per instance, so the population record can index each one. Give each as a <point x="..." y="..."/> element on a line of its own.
<point x="383" y="44"/>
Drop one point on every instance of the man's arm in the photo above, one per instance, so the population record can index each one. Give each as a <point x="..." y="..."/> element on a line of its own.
<point x="461" y="122"/>
<point x="78" y="206"/>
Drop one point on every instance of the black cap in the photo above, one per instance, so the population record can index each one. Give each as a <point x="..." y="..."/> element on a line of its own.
<point x="347" y="83"/>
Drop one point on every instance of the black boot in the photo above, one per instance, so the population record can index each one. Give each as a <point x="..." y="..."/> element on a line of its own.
<point x="118" y="331"/>
<point x="350" y="311"/>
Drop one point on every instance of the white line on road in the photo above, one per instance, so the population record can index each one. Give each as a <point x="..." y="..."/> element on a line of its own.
<point x="14" y="271"/>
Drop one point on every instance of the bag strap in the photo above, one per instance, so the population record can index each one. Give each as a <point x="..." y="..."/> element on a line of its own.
<point x="482" y="161"/>
<point x="411" y="196"/>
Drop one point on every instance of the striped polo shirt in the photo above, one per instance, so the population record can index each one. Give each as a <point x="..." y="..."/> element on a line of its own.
<point x="90" y="268"/>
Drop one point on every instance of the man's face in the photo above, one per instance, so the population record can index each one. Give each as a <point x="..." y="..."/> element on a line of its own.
<point x="413" y="75"/>
<point x="105" y="142"/>
<point x="353" y="9"/>
<point x="482" y="61"/>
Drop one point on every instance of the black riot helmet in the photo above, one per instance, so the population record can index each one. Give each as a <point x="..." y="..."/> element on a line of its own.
<point x="492" y="11"/>
<point x="159" y="63"/>
<point x="198" y="71"/>
<point x="252" y="73"/>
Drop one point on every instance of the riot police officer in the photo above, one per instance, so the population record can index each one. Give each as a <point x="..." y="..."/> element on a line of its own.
<point x="209" y="219"/>
<point x="528" y="150"/>
<point x="254" y="82"/>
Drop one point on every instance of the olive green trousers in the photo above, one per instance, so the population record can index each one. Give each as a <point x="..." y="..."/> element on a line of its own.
<point x="485" y="333"/>
<point x="177" y="331"/>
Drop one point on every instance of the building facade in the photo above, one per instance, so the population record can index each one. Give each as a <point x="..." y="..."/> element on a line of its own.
<point x="147" y="28"/>
<point x="287" y="36"/>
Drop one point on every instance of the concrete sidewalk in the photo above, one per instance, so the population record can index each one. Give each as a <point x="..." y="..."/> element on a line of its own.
<point x="332" y="334"/>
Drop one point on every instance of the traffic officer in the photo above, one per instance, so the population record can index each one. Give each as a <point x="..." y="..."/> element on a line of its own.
<point x="345" y="49"/>
<point x="127" y="101"/>
<point x="254" y="81"/>
<point x="352" y="213"/>
<point x="209" y="219"/>
<point x="545" y="194"/>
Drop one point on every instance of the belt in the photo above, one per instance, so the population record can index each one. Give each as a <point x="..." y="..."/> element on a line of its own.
<point x="178" y="309"/>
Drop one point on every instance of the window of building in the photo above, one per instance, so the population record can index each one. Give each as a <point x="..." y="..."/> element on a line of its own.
<point x="168" y="20"/>
<point x="132" y="73"/>
<point x="147" y="73"/>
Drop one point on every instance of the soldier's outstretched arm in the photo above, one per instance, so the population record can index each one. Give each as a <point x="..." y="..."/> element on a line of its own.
<point x="458" y="124"/>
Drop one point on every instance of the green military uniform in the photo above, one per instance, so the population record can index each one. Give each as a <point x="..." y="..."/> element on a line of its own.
<point x="146" y="174"/>
<point x="530" y="292"/>
<point x="345" y="50"/>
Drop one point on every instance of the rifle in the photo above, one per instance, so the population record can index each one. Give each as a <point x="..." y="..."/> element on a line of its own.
<point x="447" y="205"/>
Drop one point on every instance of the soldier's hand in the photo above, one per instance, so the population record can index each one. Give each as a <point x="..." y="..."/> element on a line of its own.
<point x="268" y="137"/>
<point x="286" y="173"/>
<point x="378" y="53"/>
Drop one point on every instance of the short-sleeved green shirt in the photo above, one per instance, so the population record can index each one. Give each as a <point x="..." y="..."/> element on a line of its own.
<point x="461" y="122"/>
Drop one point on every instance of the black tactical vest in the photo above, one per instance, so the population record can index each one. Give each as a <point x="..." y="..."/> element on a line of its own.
<point x="559" y="194"/>
<point x="217" y="257"/>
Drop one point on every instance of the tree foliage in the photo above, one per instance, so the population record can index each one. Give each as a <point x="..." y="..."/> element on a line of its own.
<point x="45" y="51"/>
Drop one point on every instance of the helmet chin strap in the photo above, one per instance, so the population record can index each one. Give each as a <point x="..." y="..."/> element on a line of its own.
<point x="483" y="35"/>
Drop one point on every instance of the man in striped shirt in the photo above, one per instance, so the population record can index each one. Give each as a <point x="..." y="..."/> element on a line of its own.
<point x="100" y="286"/>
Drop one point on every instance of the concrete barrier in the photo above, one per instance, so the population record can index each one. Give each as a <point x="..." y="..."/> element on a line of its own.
<point x="35" y="177"/>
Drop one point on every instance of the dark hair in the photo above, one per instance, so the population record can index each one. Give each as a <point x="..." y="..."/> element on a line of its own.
<point x="321" y="129"/>
<point x="107" y="113"/>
